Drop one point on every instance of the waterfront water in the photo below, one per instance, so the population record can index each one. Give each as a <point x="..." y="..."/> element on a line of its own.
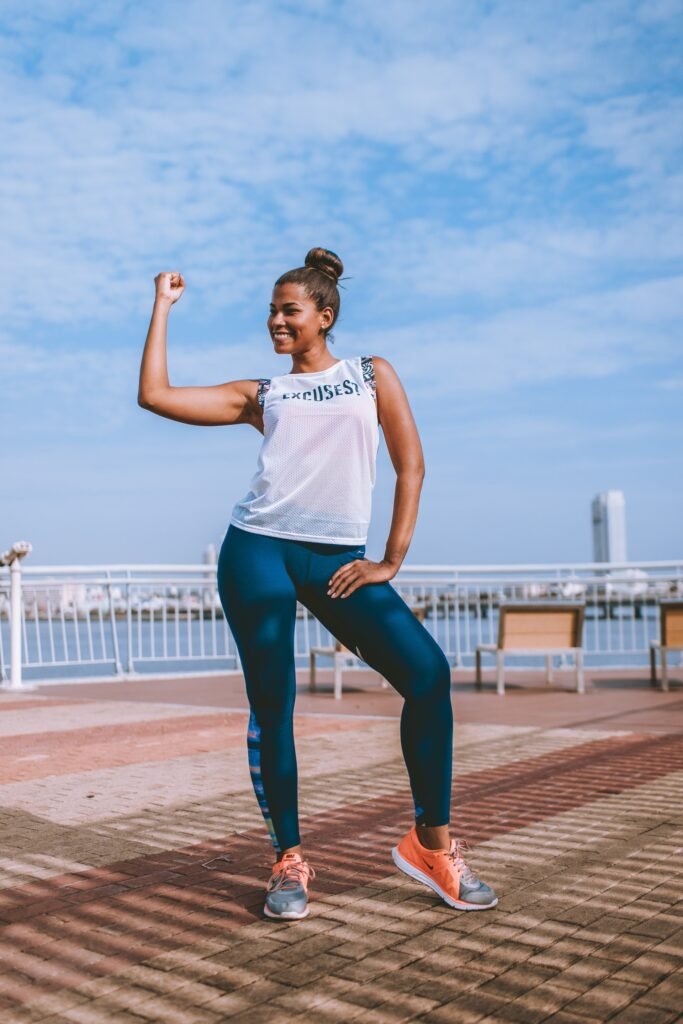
<point x="201" y="645"/>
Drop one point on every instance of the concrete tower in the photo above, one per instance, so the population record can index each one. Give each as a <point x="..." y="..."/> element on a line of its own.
<point x="609" y="527"/>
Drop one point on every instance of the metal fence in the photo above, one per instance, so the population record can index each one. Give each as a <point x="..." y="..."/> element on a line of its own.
<point x="118" y="620"/>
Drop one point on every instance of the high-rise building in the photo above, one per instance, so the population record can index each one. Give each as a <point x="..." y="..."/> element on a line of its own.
<point x="209" y="559"/>
<point x="609" y="527"/>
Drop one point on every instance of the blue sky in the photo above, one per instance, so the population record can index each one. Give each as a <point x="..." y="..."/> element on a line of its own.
<point x="502" y="181"/>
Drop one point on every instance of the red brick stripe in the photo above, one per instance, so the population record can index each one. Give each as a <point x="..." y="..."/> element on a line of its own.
<point x="42" y="754"/>
<point x="69" y="929"/>
<point x="39" y="702"/>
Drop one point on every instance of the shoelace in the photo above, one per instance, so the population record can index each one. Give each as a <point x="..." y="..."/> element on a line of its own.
<point x="291" y="875"/>
<point x="458" y="847"/>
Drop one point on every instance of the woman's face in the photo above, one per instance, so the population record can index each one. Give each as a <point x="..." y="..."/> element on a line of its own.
<point x="295" y="320"/>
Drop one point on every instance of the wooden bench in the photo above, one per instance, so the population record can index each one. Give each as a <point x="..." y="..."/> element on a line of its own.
<point x="670" y="638"/>
<point x="341" y="655"/>
<point x="549" y="628"/>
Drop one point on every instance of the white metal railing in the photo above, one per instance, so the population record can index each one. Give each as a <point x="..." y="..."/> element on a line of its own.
<point x="121" y="618"/>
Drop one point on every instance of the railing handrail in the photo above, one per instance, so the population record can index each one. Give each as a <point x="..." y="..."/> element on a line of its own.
<point x="128" y="614"/>
<point x="487" y="570"/>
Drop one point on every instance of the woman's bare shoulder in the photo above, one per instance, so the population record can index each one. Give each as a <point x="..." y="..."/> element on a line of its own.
<point x="385" y="371"/>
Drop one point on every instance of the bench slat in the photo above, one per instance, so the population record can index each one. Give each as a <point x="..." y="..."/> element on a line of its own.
<point x="673" y="627"/>
<point x="539" y="629"/>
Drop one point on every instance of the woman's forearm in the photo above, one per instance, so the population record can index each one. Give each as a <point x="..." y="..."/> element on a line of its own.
<point x="406" y="502"/>
<point x="154" y="368"/>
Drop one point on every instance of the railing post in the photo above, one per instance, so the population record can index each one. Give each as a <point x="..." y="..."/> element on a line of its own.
<point x="13" y="558"/>
<point x="15" y="624"/>
<point x="118" y="668"/>
<point x="129" y="629"/>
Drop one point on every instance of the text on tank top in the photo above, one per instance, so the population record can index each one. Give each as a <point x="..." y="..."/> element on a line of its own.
<point x="317" y="463"/>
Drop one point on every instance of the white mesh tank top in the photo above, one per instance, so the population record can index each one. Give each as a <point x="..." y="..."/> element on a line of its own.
<point x="317" y="463"/>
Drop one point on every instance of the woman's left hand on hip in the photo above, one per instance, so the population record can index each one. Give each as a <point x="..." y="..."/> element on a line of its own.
<point x="356" y="574"/>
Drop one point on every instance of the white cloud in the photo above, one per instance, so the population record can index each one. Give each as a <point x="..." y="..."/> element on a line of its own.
<point x="589" y="336"/>
<point x="502" y="182"/>
<point x="140" y="138"/>
<point x="641" y="136"/>
<point x="86" y="393"/>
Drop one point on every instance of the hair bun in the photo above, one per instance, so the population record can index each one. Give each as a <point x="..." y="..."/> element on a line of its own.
<point x="325" y="262"/>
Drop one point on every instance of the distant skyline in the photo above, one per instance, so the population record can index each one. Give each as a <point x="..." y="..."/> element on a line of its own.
<point x="502" y="183"/>
<point x="609" y="527"/>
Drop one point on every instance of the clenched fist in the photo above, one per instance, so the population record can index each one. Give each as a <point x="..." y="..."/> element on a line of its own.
<point x="170" y="285"/>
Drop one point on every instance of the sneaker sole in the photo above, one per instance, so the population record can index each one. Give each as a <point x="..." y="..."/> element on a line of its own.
<point x="431" y="883"/>
<point x="287" y="915"/>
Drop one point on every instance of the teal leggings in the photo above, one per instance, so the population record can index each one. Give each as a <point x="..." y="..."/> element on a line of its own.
<point x="260" y="579"/>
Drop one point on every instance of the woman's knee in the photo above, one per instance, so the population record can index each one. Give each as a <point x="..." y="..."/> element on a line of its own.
<point x="273" y="706"/>
<point x="432" y="679"/>
<point x="441" y="676"/>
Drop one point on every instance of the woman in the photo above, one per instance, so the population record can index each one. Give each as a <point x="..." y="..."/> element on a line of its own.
<point x="299" y="535"/>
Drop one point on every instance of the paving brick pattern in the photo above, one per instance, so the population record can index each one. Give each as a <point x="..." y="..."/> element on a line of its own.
<point x="133" y="860"/>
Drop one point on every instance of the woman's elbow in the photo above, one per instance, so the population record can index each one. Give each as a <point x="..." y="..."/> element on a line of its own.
<point x="412" y="469"/>
<point x="145" y="402"/>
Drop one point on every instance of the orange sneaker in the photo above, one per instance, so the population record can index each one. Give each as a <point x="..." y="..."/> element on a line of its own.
<point x="445" y="872"/>
<point x="287" y="891"/>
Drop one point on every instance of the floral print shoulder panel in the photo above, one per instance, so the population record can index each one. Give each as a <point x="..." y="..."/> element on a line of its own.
<point x="369" y="374"/>
<point x="263" y="388"/>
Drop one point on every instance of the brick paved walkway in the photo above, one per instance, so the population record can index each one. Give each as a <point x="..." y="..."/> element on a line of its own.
<point x="133" y="860"/>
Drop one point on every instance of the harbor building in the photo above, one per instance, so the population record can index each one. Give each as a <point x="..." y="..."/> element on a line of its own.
<point x="609" y="527"/>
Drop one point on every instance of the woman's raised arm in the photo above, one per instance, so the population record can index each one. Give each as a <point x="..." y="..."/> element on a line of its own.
<point x="217" y="405"/>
